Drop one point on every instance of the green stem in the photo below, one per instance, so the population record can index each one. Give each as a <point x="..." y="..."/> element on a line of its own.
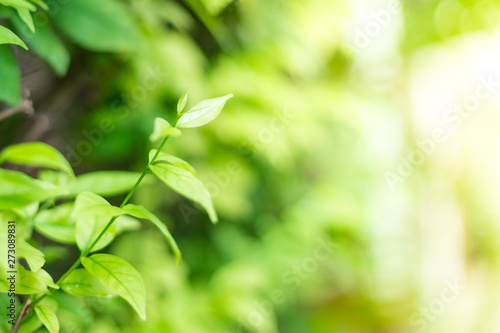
<point x="124" y="202"/>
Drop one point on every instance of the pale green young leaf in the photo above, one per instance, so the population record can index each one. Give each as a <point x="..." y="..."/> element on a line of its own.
<point x="8" y="37"/>
<point x="142" y="213"/>
<point x="57" y="223"/>
<point x="162" y="129"/>
<point x="164" y="158"/>
<point x="120" y="277"/>
<point x="99" y="25"/>
<point x="33" y="256"/>
<point x="47" y="317"/>
<point x="186" y="184"/>
<point x="181" y="104"/>
<point x="81" y="283"/>
<point x="37" y="154"/>
<point x="105" y="183"/>
<point x="203" y="112"/>
<point x="10" y="75"/>
<point x="19" y="190"/>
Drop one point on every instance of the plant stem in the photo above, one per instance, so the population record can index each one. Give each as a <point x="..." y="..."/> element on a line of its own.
<point x="124" y="202"/>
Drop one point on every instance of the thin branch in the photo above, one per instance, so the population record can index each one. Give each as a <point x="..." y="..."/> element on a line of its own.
<point x="24" y="311"/>
<point x="26" y="107"/>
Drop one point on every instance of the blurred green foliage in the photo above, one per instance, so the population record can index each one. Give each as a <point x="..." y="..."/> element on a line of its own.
<point x="295" y="162"/>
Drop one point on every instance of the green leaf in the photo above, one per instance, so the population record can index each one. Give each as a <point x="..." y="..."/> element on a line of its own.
<point x="31" y="324"/>
<point x="181" y="104"/>
<point x="19" y="190"/>
<point x="25" y="15"/>
<point x="105" y="183"/>
<point x="45" y="43"/>
<point x="203" y="112"/>
<point x="33" y="256"/>
<point x="142" y="213"/>
<point x="92" y="214"/>
<point x="215" y="7"/>
<point x="18" y="4"/>
<point x="163" y="129"/>
<point x="56" y="223"/>
<point x="42" y="4"/>
<point x="99" y="25"/>
<point x="88" y="228"/>
<point x="8" y="37"/>
<point x="185" y="183"/>
<point x="45" y="277"/>
<point x="81" y="283"/>
<point x="28" y="282"/>
<point x="164" y="158"/>
<point x="47" y="317"/>
<point x="36" y="154"/>
<point x="10" y="75"/>
<point x="120" y="277"/>
<point x="90" y="204"/>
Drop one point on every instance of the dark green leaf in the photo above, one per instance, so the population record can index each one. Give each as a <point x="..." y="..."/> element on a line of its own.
<point x="99" y="25"/>
<point x="10" y="75"/>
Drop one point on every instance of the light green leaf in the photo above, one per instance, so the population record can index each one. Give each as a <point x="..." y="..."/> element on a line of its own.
<point x="36" y="154"/>
<point x="185" y="183"/>
<point x="42" y="4"/>
<point x="19" y="190"/>
<point x="81" y="283"/>
<point x="203" y="112"/>
<point x="56" y="223"/>
<point x="31" y="324"/>
<point x="45" y="43"/>
<point x="8" y="37"/>
<point x="163" y="129"/>
<point x="88" y="203"/>
<point x="215" y="7"/>
<point x="142" y="213"/>
<point x="181" y="104"/>
<point x="92" y="214"/>
<point x="33" y="256"/>
<point x="25" y="15"/>
<point x="18" y="4"/>
<point x="45" y="277"/>
<point x="10" y="75"/>
<point x="47" y="317"/>
<point x="89" y="227"/>
<point x="120" y="277"/>
<point x="164" y="158"/>
<point x="99" y="25"/>
<point x="28" y="282"/>
<point x="105" y="183"/>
